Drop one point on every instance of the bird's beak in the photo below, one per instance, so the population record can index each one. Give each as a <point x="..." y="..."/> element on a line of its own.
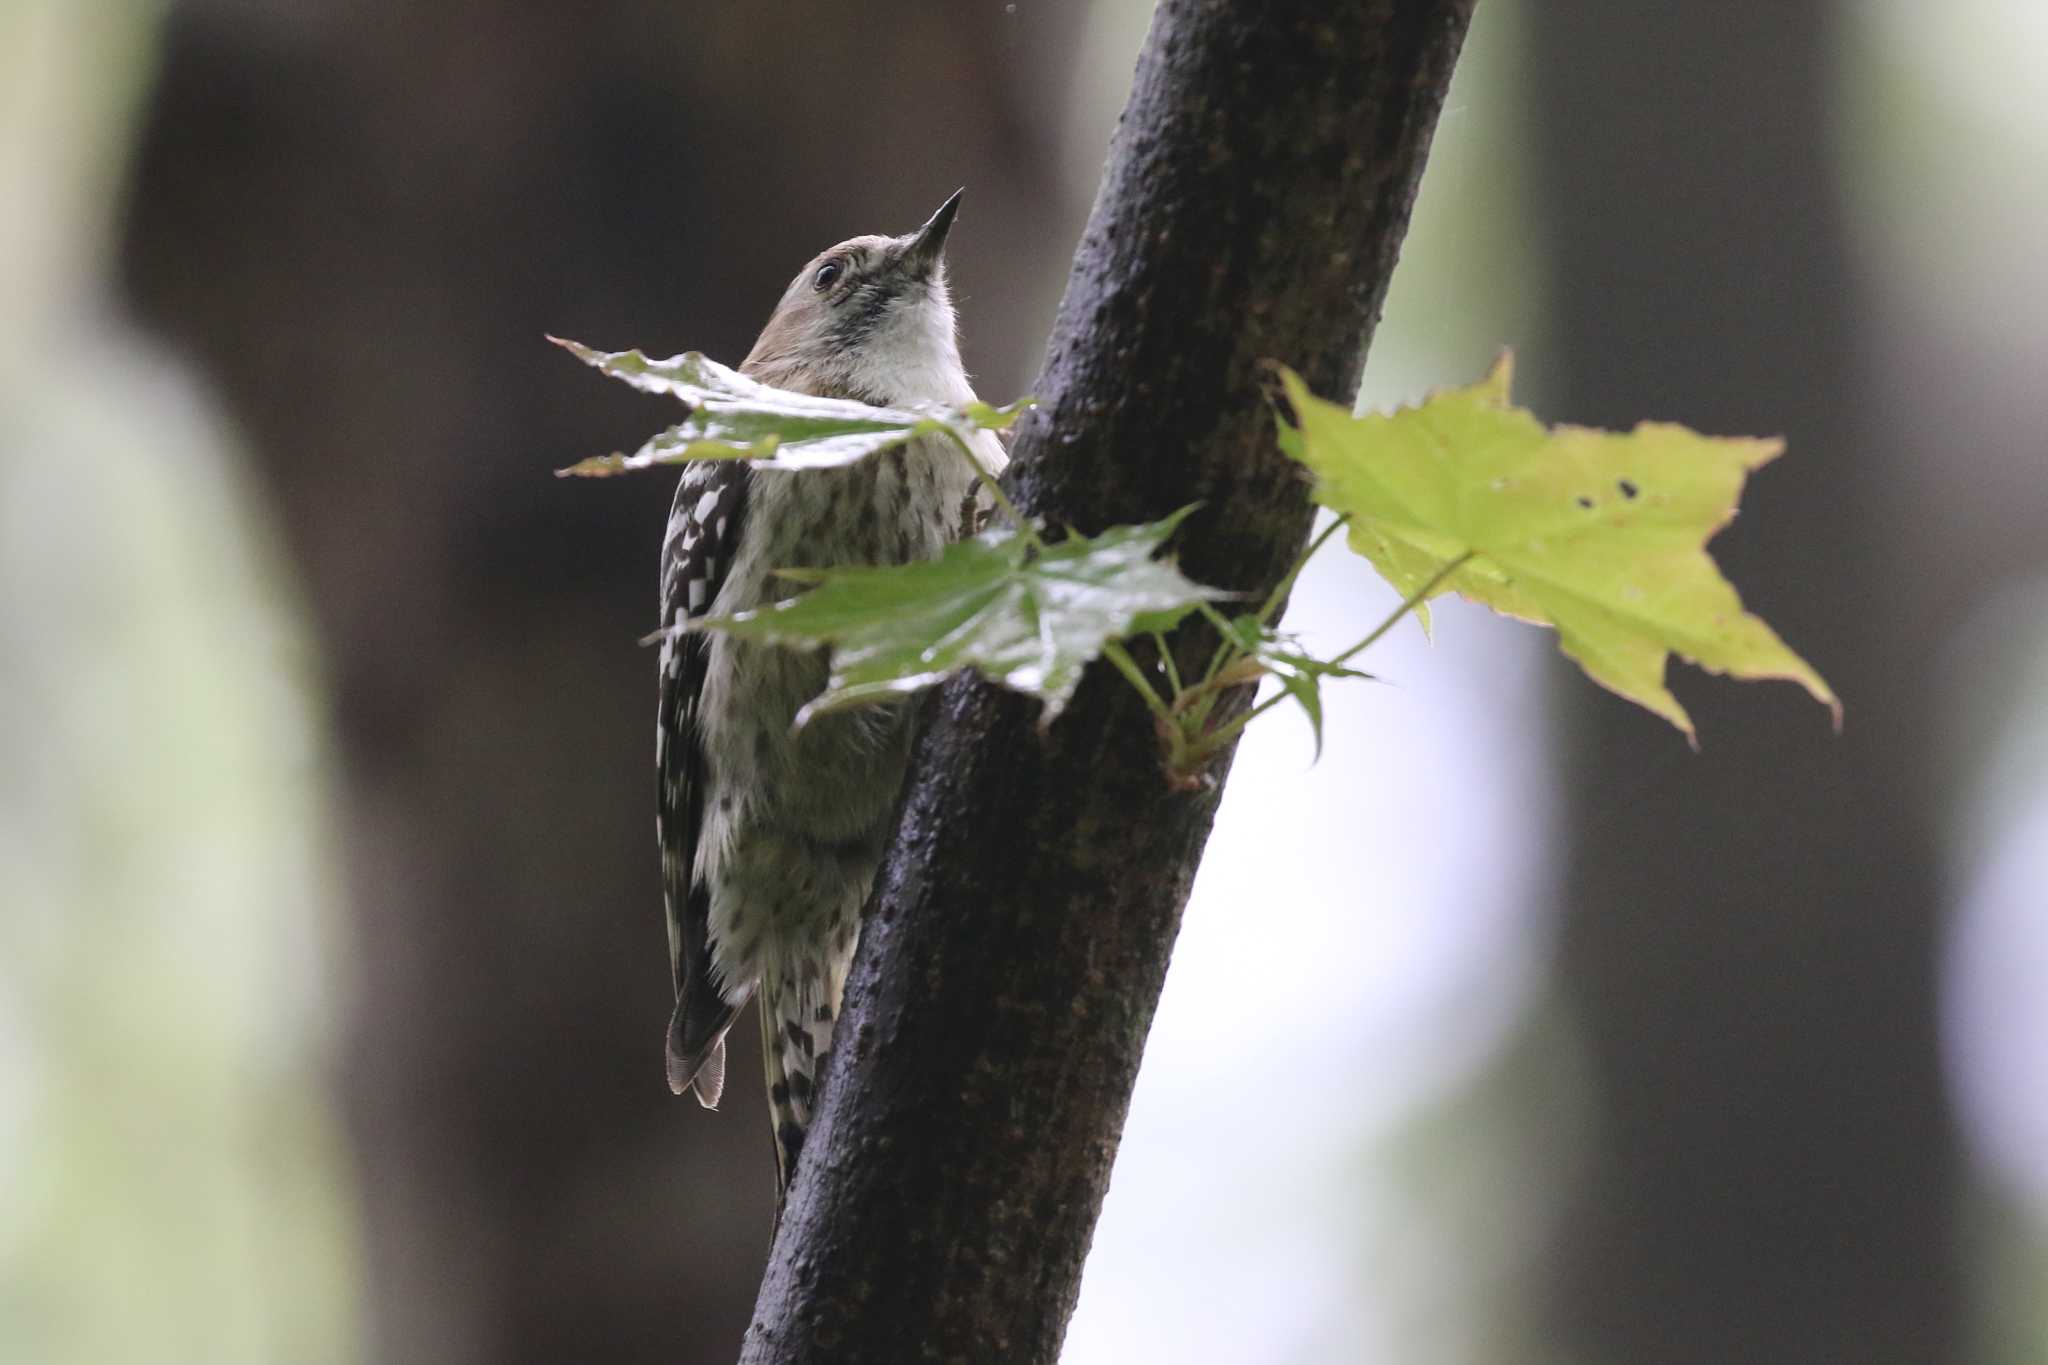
<point x="928" y="243"/>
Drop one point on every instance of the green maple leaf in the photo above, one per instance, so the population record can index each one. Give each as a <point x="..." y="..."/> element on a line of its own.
<point x="733" y="417"/>
<point x="1600" y="534"/>
<point x="1031" y="619"/>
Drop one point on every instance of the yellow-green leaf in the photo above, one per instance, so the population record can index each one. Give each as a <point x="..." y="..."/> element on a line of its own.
<point x="1601" y="534"/>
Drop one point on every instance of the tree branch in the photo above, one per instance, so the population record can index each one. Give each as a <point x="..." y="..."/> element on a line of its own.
<point x="1252" y="208"/>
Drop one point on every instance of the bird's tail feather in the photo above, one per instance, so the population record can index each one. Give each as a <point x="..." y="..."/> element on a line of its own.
<point x="796" y="1032"/>
<point x="709" y="1082"/>
<point x="696" y="1052"/>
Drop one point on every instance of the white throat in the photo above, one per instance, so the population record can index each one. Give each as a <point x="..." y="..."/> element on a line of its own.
<point x="915" y="356"/>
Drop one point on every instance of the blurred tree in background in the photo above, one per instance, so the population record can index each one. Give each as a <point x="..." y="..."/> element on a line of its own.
<point x="171" y="1187"/>
<point x="1749" y="945"/>
<point x="361" y="219"/>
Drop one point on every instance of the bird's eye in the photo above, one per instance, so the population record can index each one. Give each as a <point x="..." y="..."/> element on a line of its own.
<point x="827" y="273"/>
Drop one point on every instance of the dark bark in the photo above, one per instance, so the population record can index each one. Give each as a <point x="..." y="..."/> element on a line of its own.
<point x="1253" y="207"/>
<point x="1751" y="940"/>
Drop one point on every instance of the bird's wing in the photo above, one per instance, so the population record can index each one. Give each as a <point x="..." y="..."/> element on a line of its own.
<point x="703" y="528"/>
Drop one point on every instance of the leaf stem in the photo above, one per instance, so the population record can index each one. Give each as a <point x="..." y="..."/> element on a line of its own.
<point x="1200" y="747"/>
<point x="1286" y="585"/>
<point x="1416" y="599"/>
<point x="1166" y="661"/>
<point x="1191" y="705"/>
<point x="1225" y="647"/>
<point x="1218" y="620"/>
<point x="1209" y="743"/>
<point x="1114" y="651"/>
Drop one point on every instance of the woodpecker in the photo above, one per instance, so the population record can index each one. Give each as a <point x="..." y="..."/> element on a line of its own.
<point x="770" y="836"/>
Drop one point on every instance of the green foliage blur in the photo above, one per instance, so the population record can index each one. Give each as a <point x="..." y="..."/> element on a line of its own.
<point x="172" y="1181"/>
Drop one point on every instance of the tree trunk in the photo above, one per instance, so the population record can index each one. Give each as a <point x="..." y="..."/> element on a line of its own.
<point x="1252" y="208"/>
<point x="1751" y="938"/>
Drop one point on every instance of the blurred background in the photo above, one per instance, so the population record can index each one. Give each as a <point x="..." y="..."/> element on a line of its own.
<point x="331" y="968"/>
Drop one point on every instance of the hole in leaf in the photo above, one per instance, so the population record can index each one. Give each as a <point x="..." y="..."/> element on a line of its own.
<point x="1628" y="489"/>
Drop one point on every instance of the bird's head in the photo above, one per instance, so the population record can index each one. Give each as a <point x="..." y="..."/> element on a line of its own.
<point x="869" y="319"/>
